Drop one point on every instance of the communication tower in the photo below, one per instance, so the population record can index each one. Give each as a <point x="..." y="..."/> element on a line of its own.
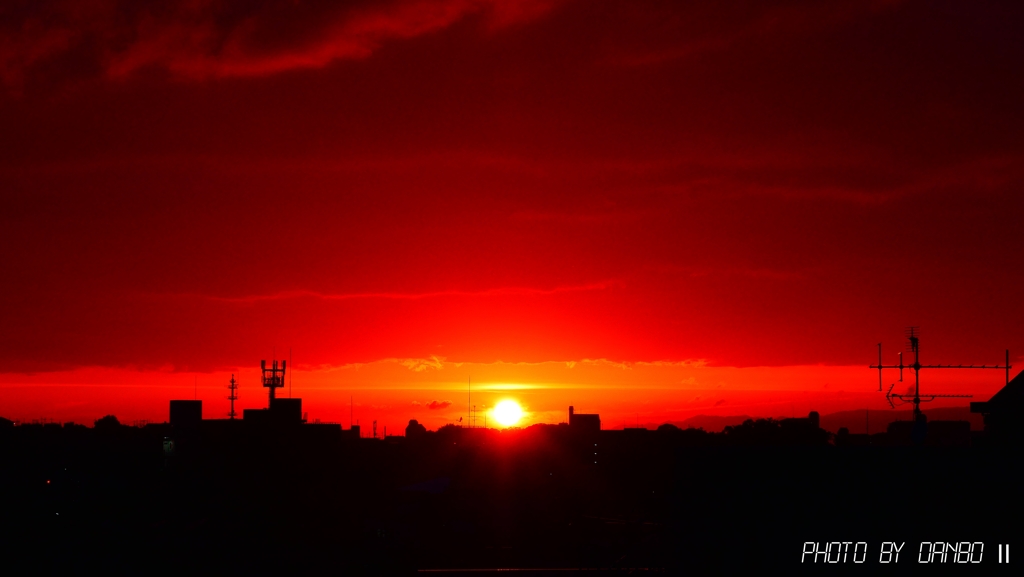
<point x="233" y="396"/>
<point x="273" y="378"/>
<point x="914" y="346"/>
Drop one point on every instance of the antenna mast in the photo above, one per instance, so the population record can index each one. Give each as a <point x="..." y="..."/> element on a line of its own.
<point x="233" y="396"/>
<point x="273" y="378"/>
<point x="914" y="346"/>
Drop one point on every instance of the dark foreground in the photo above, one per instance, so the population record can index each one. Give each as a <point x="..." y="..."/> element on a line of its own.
<point x="544" y="499"/>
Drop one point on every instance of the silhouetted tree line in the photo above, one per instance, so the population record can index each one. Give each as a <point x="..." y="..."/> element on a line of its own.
<point x="107" y="422"/>
<point x="753" y="432"/>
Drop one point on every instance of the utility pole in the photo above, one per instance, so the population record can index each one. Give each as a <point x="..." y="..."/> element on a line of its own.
<point x="233" y="396"/>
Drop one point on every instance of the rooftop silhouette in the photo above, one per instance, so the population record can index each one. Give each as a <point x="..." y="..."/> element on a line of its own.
<point x="547" y="496"/>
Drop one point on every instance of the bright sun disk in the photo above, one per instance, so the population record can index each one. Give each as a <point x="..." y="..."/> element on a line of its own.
<point x="508" y="413"/>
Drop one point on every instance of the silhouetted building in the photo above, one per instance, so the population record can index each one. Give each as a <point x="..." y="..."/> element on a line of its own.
<point x="929" y="433"/>
<point x="1002" y="411"/>
<point x="6" y="423"/>
<point x="910" y="432"/>
<point x="186" y="413"/>
<point x="352" y="432"/>
<point x="282" y="412"/>
<point x="948" y="434"/>
<point x="584" y="421"/>
<point x="286" y="411"/>
<point x="255" y="415"/>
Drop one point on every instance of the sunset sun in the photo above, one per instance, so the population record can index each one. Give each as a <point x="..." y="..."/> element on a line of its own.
<point x="508" y="413"/>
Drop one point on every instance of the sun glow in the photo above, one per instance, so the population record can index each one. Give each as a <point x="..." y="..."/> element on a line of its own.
<point x="507" y="413"/>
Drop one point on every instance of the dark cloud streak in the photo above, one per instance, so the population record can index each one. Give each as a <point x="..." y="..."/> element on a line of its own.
<point x="210" y="39"/>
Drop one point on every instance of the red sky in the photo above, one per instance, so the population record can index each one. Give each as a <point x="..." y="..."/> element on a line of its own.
<point x="743" y="198"/>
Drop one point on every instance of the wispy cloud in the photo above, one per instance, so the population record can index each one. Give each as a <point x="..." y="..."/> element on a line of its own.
<point x="626" y="365"/>
<point x="439" y="363"/>
<point x="419" y="365"/>
<point x="493" y="292"/>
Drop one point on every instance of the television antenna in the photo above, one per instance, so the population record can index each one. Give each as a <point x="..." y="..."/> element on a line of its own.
<point x="914" y="346"/>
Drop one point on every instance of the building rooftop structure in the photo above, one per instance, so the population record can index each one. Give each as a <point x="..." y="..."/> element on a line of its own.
<point x="584" y="421"/>
<point x="283" y="412"/>
<point x="1002" y="411"/>
<point x="186" y="413"/>
<point x="282" y="424"/>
